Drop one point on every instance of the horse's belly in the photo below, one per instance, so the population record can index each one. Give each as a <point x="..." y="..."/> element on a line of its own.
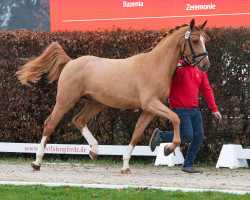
<point x="117" y="101"/>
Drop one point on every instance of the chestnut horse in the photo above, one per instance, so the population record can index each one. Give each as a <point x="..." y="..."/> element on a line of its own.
<point x="138" y="82"/>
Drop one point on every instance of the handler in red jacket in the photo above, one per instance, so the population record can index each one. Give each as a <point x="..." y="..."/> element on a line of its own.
<point x="183" y="99"/>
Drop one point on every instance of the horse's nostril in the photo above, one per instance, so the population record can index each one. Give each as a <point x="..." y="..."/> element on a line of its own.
<point x="205" y="67"/>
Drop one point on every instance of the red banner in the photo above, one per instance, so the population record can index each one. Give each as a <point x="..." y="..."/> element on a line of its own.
<point x="88" y="15"/>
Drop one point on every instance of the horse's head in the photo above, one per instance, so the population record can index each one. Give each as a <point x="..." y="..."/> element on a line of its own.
<point x="193" y="46"/>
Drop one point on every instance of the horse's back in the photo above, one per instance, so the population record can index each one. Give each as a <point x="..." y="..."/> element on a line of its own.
<point x="110" y="81"/>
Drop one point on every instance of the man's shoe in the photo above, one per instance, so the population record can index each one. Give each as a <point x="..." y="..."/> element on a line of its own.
<point x="155" y="139"/>
<point x="191" y="170"/>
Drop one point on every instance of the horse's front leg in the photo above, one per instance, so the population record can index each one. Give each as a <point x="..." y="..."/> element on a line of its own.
<point x="158" y="108"/>
<point x="141" y="124"/>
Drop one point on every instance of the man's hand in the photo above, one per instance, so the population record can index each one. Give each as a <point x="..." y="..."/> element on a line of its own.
<point x="218" y="115"/>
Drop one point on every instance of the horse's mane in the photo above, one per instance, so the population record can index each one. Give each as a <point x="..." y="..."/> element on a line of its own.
<point x="165" y="34"/>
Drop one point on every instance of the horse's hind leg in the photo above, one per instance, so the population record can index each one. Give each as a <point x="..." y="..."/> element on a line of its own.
<point x="141" y="125"/>
<point x="49" y="125"/>
<point x="91" y="109"/>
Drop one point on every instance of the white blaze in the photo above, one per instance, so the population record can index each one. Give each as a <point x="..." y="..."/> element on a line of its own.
<point x="203" y="44"/>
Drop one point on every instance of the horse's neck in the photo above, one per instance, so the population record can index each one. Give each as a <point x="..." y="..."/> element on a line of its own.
<point x="166" y="56"/>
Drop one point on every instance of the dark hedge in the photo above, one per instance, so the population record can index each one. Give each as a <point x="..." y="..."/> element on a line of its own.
<point x="24" y="109"/>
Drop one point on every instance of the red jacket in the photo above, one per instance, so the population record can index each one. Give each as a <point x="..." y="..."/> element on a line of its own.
<point x="184" y="90"/>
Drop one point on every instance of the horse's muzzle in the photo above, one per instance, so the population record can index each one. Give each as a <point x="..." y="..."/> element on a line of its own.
<point x="203" y="68"/>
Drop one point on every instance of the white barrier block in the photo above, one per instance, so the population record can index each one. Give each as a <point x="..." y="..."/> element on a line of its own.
<point x="229" y="156"/>
<point x="172" y="159"/>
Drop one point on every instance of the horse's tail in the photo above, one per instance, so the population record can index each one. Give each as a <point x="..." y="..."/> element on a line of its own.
<point x="51" y="61"/>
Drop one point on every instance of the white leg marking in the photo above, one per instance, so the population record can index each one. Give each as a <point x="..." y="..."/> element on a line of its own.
<point x="90" y="139"/>
<point x="126" y="157"/>
<point x="203" y="45"/>
<point x="40" y="152"/>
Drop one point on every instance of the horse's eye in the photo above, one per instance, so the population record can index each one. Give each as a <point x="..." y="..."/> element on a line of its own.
<point x="195" y="41"/>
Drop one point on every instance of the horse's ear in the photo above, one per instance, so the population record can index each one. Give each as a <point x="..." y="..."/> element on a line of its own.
<point x="192" y="23"/>
<point x="203" y="25"/>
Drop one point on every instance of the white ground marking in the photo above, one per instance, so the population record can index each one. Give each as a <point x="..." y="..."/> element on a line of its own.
<point x="105" y="186"/>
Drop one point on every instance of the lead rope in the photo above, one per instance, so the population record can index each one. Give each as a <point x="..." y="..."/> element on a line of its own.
<point x="175" y="72"/>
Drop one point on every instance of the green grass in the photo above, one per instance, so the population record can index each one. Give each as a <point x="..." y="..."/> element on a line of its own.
<point x="10" y="192"/>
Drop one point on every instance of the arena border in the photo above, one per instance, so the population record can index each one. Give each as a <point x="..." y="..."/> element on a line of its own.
<point x="106" y="186"/>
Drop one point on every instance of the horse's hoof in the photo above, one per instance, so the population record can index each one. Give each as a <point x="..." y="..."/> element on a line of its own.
<point x="167" y="150"/>
<point x="93" y="155"/>
<point x="35" y="167"/>
<point x="126" y="171"/>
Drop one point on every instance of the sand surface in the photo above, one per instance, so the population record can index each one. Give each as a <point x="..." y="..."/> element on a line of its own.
<point x="157" y="176"/>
